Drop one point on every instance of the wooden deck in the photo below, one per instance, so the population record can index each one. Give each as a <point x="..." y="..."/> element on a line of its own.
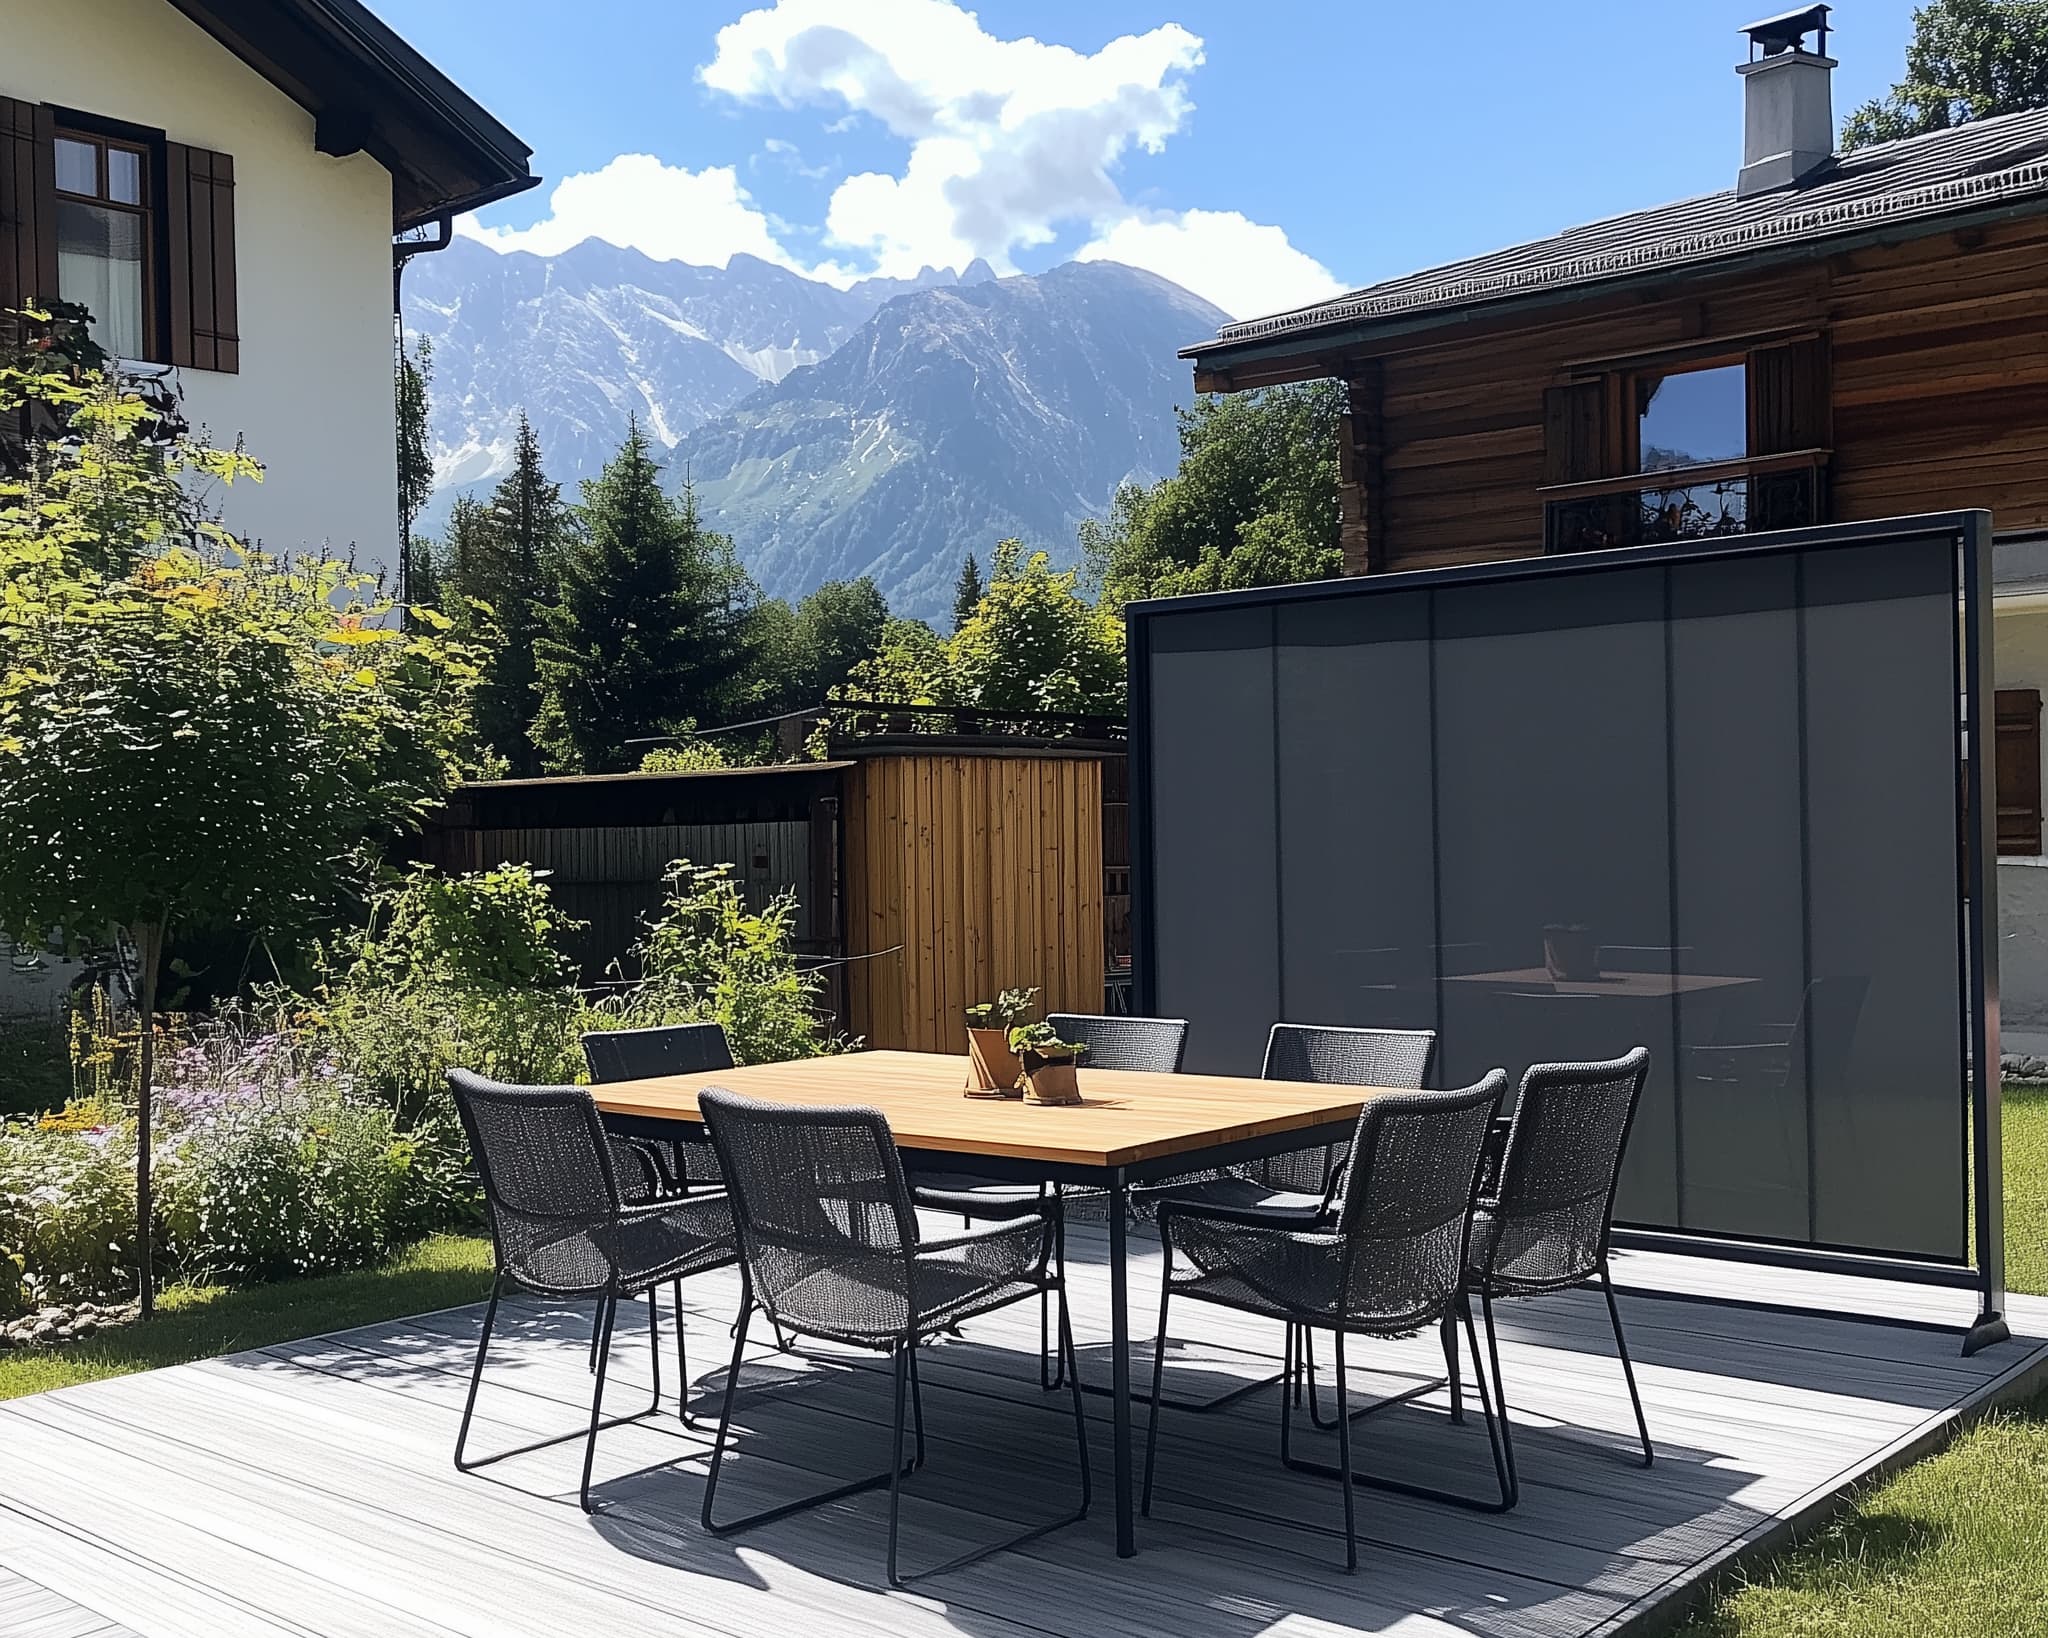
<point x="307" y="1490"/>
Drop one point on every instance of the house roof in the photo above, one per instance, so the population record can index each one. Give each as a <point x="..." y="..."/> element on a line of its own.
<point x="1918" y="184"/>
<point x="370" y="92"/>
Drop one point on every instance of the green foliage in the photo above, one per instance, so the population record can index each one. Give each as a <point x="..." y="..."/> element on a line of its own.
<point x="1005" y="1012"/>
<point x="414" y="380"/>
<point x="451" y="972"/>
<point x="1033" y="643"/>
<point x="1969" y="59"/>
<point x="967" y="592"/>
<point x="651" y="622"/>
<point x="271" y="1186"/>
<point x="1041" y="1040"/>
<point x="67" y="1210"/>
<point x="707" y="956"/>
<point x="802" y="654"/>
<point x="1255" y="502"/>
<point x="503" y="560"/>
<point x="692" y="756"/>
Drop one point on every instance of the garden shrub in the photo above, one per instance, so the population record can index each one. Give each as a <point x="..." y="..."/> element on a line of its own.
<point x="67" y="1209"/>
<point x="706" y="956"/>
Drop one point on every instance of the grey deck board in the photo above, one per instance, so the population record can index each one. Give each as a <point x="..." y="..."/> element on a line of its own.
<point x="307" y="1488"/>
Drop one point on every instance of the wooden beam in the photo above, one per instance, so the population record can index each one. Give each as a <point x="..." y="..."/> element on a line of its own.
<point x="1361" y="469"/>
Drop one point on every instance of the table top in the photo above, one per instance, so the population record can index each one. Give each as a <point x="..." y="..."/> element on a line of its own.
<point x="1643" y="984"/>
<point x="1124" y="1117"/>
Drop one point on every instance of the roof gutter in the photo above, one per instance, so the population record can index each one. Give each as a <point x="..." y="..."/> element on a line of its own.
<point x="1221" y="356"/>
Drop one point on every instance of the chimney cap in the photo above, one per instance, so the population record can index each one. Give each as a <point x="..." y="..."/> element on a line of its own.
<point x="1775" y="36"/>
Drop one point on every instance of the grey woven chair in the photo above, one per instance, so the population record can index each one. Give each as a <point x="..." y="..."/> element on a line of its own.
<point x="1300" y="1182"/>
<point x="1546" y="1213"/>
<point x="830" y="1248"/>
<point x="1149" y="1045"/>
<point x="1385" y="1260"/>
<point x="680" y="1164"/>
<point x="561" y="1227"/>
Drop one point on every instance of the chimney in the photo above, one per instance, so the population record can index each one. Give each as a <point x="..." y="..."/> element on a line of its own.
<point x="1788" y="117"/>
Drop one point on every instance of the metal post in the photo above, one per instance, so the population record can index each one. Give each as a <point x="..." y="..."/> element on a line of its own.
<point x="1981" y="936"/>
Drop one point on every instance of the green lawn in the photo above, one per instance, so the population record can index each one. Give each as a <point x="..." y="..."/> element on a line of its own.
<point x="1955" y="1547"/>
<point x="2025" y="1136"/>
<point x="200" y="1322"/>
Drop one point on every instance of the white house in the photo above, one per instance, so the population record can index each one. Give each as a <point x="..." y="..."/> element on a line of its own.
<point x="223" y="183"/>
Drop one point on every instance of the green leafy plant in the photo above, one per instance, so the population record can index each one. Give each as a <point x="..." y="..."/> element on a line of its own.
<point x="706" y="955"/>
<point x="1040" y="1042"/>
<point x="67" y="1210"/>
<point x="1008" y="1009"/>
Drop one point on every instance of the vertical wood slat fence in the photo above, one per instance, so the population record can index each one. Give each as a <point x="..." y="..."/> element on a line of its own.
<point x="986" y="870"/>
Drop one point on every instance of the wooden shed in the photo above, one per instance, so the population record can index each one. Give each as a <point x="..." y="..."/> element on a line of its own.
<point x="929" y="871"/>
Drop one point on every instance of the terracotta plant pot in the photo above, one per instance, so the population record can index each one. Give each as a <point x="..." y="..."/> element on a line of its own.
<point x="1051" y="1080"/>
<point x="993" y="1069"/>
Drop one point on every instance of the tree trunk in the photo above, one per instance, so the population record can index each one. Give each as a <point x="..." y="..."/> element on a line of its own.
<point x="149" y="949"/>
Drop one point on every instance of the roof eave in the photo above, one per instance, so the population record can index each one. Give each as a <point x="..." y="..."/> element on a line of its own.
<point x="1219" y="356"/>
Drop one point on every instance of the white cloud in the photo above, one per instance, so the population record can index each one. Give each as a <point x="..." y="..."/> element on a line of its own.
<point x="1010" y="145"/>
<point x="1246" y="268"/>
<point x="669" y="212"/>
<point x="1008" y="139"/>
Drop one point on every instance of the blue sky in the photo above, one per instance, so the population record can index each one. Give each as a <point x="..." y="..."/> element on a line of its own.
<point x="1262" y="154"/>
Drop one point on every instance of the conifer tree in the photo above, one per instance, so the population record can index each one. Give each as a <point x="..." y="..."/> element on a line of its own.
<point x="505" y="558"/>
<point x="967" y="592"/>
<point x="648" y="629"/>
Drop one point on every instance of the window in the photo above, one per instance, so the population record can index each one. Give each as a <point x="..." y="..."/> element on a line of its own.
<point x="105" y="244"/>
<point x="2016" y="768"/>
<point x="1689" y="418"/>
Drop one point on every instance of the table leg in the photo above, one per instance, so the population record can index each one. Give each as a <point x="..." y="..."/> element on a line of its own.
<point x="1120" y="1363"/>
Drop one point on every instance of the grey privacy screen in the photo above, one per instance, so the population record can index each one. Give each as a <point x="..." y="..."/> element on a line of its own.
<point x="1704" y="800"/>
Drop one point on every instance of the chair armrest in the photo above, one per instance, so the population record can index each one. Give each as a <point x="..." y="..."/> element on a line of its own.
<point x="1248" y="1217"/>
<point x="1023" y="1227"/>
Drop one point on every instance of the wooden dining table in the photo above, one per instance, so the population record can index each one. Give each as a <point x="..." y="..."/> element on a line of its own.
<point x="1129" y="1128"/>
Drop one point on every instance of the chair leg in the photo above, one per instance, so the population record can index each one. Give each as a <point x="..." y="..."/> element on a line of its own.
<point x="916" y="1410"/>
<point x="1628" y="1369"/>
<point x="1449" y="1333"/>
<point x="604" y="1354"/>
<point x="476" y="1375"/>
<point x="1513" y="1485"/>
<point x="1051" y="1381"/>
<point x="873" y="1481"/>
<point x="682" y="1366"/>
<point x="903" y="1351"/>
<point x="1344" y="1453"/>
<point x="1158" y="1378"/>
<point x="654" y="1341"/>
<point x="1073" y="1379"/>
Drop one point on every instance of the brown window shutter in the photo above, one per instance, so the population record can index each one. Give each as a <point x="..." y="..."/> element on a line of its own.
<point x="200" y="232"/>
<point x="1575" y="432"/>
<point x="2017" y="765"/>
<point x="28" y="203"/>
<point x="1789" y="397"/>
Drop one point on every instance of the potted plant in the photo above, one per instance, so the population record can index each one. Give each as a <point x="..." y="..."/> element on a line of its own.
<point x="1570" y="953"/>
<point x="993" y="1067"/>
<point x="1048" y="1063"/>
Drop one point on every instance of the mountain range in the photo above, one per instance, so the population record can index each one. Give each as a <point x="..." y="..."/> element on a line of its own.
<point x="883" y="429"/>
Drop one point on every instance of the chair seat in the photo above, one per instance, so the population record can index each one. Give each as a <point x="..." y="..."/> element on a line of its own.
<point x="971" y="1196"/>
<point x="861" y="1301"/>
<point x="649" y="1245"/>
<point x="1235" y="1197"/>
<point x="1538" y="1259"/>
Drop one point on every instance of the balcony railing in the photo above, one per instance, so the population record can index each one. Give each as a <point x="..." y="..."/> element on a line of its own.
<point x="1739" y="497"/>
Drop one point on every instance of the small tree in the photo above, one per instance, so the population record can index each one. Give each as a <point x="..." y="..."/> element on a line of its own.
<point x="189" y="732"/>
<point x="650" y="624"/>
<point x="966" y="592"/>
<point x="415" y="375"/>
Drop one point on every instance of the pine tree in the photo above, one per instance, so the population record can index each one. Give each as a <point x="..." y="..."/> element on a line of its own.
<point x="967" y="592"/>
<point x="415" y="374"/>
<point x="649" y="625"/>
<point x="504" y="556"/>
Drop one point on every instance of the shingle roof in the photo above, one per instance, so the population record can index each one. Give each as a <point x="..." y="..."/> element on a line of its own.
<point x="1968" y="168"/>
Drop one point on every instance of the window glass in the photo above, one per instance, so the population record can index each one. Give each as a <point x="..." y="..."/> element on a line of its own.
<point x="1692" y="417"/>
<point x="124" y="176"/>
<point x="100" y="266"/>
<point x="77" y="167"/>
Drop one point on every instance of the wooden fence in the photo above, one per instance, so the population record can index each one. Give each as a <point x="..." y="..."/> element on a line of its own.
<point x="966" y="873"/>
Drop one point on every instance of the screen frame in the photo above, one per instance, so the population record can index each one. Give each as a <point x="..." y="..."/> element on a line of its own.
<point x="1970" y="531"/>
